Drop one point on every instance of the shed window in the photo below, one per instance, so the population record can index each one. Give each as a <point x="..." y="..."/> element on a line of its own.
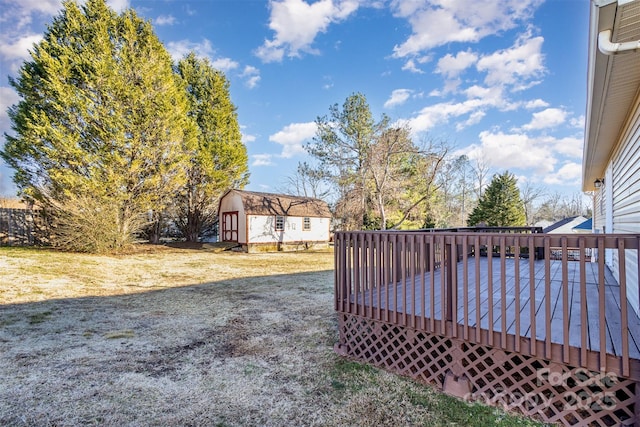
<point x="279" y="223"/>
<point x="306" y="223"/>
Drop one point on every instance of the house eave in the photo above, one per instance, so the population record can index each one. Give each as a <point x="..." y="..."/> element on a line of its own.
<point x="613" y="82"/>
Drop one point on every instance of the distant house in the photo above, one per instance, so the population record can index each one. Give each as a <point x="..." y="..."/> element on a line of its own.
<point x="266" y="222"/>
<point x="565" y="225"/>
<point x="611" y="160"/>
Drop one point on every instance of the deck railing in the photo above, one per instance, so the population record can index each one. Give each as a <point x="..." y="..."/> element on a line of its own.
<point x="528" y="293"/>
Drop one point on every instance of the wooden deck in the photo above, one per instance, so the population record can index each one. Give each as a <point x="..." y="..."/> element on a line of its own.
<point x="412" y="297"/>
<point x="533" y="322"/>
<point x="544" y="305"/>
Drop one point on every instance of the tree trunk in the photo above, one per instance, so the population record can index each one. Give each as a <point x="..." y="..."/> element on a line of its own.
<point x="155" y="231"/>
<point x="383" y="213"/>
<point x="192" y="231"/>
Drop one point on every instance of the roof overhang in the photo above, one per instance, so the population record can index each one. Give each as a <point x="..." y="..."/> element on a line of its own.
<point x="613" y="77"/>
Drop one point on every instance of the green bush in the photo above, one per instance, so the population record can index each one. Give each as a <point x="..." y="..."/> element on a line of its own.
<point x="95" y="225"/>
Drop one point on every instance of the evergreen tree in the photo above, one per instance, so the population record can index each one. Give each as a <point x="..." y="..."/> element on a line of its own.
<point x="219" y="161"/>
<point x="342" y="146"/>
<point x="102" y="118"/>
<point x="500" y="205"/>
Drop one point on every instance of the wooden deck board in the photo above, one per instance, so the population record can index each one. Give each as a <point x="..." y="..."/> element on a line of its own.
<point x="398" y="298"/>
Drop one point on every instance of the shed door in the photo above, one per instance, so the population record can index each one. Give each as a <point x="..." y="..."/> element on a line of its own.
<point x="230" y="226"/>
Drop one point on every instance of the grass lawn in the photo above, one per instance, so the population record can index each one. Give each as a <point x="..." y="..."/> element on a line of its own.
<point x="187" y="337"/>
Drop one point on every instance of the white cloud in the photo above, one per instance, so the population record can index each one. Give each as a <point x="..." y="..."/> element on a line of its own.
<point x="16" y="51"/>
<point x="29" y="7"/>
<point x="577" y="122"/>
<point x="16" y="38"/>
<point x="568" y="146"/>
<point x="252" y="81"/>
<point x="435" y="114"/>
<point x="246" y="137"/>
<point x="474" y="118"/>
<point x="292" y="136"/>
<point x="398" y="97"/>
<point x="507" y="70"/>
<point x="437" y="23"/>
<point x="296" y="24"/>
<point x="179" y="49"/>
<point x="536" y="103"/>
<point x="262" y="160"/>
<point x="410" y="65"/>
<point x="451" y="66"/>
<point x="165" y="20"/>
<point x="474" y="109"/>
<point x="569" y="173"/>
<point x="252" y="76"/>
<point x="119" y="5"/>
<point x="539" y="155"/>
<point x="224" y="64"/>
<point x="506" y="151"/>
<point x="8" y="97"/>
<point x="549" y="118"/>
<point x="478" y="92"/>
<point x="516" y="65"/>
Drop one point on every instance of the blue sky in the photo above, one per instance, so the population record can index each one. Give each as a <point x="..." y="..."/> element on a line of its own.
<point x="503" y="81"/>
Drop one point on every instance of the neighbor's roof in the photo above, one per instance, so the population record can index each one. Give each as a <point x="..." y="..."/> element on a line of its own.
<point x="613" y="84"/>
<point x="584" y="226"/>
<point x="282" y="204"/>
<point x="564" y="225"/>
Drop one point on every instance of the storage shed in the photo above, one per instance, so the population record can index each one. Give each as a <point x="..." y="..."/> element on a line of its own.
<point x="269" y="222"/>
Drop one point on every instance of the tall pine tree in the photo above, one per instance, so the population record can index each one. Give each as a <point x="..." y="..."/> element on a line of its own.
<point x="500" y="205"/>
<point x="102" y="124"/>
<point x="219" y="160"/>
<point x="342" y="145"/>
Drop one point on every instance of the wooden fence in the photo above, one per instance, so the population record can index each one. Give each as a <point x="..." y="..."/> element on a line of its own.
<point x="22" y="227"/>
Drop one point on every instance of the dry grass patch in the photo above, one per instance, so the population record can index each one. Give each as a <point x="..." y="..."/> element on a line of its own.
<point x="173" y="337"/>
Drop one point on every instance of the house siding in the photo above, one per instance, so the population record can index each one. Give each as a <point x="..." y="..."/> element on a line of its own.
<point x="599" y="213"/>
<point x="625" y="198"/>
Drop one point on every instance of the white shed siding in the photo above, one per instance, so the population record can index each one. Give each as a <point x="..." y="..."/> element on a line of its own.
<point x="262" y="230"/>
<point x="625" y="168"/>
<point x="233" y="203"/>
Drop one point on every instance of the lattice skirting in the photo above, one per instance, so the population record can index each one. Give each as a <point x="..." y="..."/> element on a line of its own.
<point x="535" y="387"/>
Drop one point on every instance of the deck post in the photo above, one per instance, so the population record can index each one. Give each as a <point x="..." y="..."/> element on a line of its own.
<point x="450" y="264"/>
<point x="397" y="259"/>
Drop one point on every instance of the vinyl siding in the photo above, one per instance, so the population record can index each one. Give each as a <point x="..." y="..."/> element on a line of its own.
<point x="625" y="169"/>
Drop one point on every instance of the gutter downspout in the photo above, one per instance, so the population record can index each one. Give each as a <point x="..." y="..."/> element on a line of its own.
<point x="608" y="48"/>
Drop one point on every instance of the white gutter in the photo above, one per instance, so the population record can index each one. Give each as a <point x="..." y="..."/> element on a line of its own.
<point x="608" y="48"/>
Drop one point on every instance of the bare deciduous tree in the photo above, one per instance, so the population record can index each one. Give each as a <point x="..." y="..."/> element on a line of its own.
<point x="481" y="171"/>
<point x="529" y="194"/>
<point x="306" y="182"/>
